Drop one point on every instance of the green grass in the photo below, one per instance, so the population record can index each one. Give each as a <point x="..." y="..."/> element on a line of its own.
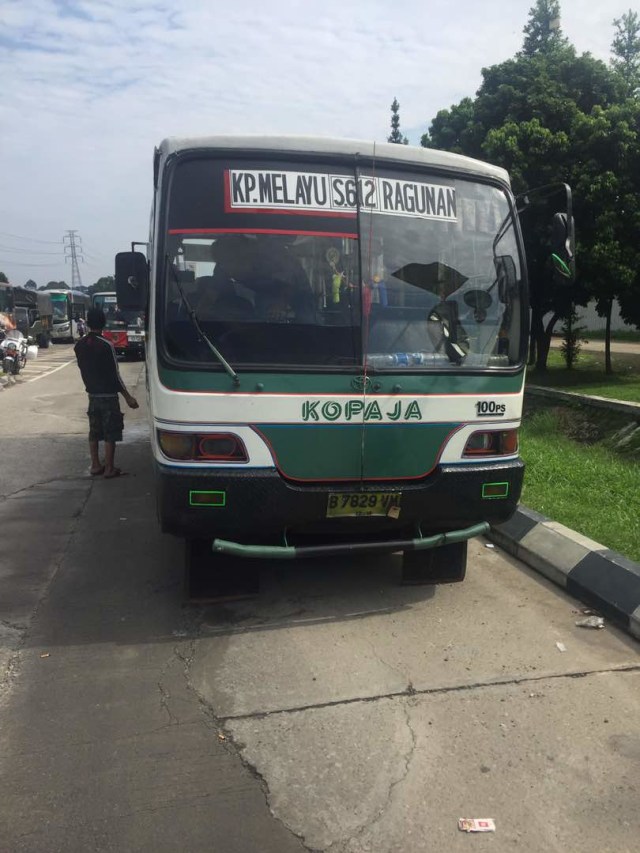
<point x="585" y="487"/>
<point x="588" y="376"/>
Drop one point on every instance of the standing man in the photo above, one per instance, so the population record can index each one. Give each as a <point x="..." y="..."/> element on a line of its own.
<point x="99" y="368"/>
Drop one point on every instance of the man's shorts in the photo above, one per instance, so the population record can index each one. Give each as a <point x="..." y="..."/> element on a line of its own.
<point x="106" y="421"/>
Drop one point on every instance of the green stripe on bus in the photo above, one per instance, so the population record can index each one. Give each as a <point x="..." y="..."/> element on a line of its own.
<point x="331" y="383"/>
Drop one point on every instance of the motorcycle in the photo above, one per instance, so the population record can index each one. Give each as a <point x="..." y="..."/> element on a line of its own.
<point x="14" y="350"/>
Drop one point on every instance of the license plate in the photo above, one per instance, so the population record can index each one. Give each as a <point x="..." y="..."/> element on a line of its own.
<point x="345" y="504"/>
<point x="135" y="339"/>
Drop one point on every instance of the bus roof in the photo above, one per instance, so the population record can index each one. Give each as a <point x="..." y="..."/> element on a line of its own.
<point x="22" y="296"/>
<point x="382" y="151"/>
<point x="68" y="292"/>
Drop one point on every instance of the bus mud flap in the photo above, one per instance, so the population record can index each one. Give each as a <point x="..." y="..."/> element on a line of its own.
<point x="210" y="577"/>
<point x="445" y="564"/>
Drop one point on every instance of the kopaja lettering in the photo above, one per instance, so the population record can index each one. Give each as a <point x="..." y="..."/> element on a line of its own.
<point x="356" y="410"/>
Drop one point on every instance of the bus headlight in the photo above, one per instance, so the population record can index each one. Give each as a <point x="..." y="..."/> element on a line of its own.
<point x="492" y="443"/>
<point x="209" y="447"/>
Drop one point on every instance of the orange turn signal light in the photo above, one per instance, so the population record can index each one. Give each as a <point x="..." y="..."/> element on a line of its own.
<point x="492" y="443"/>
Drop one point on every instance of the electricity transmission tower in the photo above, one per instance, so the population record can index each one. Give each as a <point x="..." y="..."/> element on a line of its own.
<point x="73" y="251"/>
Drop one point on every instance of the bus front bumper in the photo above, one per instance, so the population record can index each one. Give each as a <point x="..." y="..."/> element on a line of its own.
<point x="256" y="513"/>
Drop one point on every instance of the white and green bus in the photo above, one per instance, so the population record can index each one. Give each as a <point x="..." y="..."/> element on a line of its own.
<point x="68" y="305"/>
<point x="337" y="335"/>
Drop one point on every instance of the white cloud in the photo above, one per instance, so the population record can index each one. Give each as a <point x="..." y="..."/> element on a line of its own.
<point x="90" y="86"/>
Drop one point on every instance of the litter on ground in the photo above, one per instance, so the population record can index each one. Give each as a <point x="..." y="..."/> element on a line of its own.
<point x="591" y="622"/>
<point x="476" y="824"/>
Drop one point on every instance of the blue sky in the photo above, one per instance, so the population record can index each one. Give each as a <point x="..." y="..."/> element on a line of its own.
<point x="89" y="87"/>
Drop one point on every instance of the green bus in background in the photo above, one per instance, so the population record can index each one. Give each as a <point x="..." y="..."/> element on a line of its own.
<point x="67" y="306"/>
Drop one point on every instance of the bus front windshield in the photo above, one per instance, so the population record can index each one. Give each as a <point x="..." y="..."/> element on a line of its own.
<point x="428" y="277"/>
<point x="59" y="307"/>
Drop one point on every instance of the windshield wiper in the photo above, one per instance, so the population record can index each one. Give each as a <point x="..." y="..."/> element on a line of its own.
<point x="203" y="336"/>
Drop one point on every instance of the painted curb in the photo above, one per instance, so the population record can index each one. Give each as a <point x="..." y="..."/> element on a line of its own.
<point x="601" y="578"/>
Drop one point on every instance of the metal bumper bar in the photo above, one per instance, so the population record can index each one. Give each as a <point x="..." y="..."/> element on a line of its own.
<point x="286" y="552"/>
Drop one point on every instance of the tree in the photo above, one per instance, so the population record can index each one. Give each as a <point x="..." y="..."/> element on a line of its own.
<point x="571" y="339"/>
<point x="396" y="136"/>
<point x="56" y="285"/>
<point x="545" y="116"/>
<point x="542" y="32"/>
<point x="626" y="52"/>
<point x="3" y="278"/>
<point x="456" y="130"/>
<point x="30" y="284"/>
<point x="606" y="182"/>
<point x="106" y="282"/>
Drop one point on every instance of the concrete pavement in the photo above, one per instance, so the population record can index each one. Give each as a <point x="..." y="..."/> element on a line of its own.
<point x="337" y="711"/>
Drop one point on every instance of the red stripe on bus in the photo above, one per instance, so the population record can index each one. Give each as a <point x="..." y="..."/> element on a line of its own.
<point x="348" y="235"/>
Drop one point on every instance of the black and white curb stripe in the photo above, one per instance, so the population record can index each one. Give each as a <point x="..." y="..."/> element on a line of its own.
<point x="603" y="579"/>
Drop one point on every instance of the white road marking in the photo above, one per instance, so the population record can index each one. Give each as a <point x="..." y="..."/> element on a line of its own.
<point x="49" y="372"/>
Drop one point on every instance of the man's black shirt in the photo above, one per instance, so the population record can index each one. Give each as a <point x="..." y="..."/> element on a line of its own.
<point x="98" y="365"/>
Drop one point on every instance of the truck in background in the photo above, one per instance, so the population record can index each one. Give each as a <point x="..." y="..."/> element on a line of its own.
<point x="29" y="311"/>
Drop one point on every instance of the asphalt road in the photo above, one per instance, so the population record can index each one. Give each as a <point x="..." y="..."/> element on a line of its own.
<point x="335" y="711"/>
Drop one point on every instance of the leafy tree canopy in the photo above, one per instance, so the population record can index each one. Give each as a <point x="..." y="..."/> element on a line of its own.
<point x="542" y="33"/>
<point x="548" y="115"/>
<point x="106" y="282"/>
<point x="626" y="51"/>
<point x="30" y="284"/>
<point x="55" y="285"/>
<point x="3" y="278"/>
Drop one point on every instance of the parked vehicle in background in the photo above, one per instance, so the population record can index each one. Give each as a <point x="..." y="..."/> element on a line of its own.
<point x="35" y="320"/>
<point x="107" y="300"/>
<point x="67" y="305"/>
<point x="125" y="329"/>
<point x="29" y="311"/>
<point x="13" y="350"/>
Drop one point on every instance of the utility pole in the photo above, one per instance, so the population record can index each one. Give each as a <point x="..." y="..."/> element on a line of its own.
<point x="73" y="249"/>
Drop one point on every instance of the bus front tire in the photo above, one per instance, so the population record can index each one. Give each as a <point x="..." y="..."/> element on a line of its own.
<point x="447" y="564"/>
<point x="213" y="577"/>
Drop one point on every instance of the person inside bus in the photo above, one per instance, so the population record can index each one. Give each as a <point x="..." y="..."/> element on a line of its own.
<point x="282" y="287"/>
<point x="221" y="298"/>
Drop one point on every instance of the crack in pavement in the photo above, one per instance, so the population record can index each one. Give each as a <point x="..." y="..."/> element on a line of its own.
<point x="70" y="478"/>
<point x="177" y="802"/>
<point x="72" y="744"/>
<point x="225" y="737"/>
<point x="410" y="690"/>
<point x="341" y="844"/>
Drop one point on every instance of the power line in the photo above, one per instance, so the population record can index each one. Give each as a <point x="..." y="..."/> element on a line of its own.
<point x="27" y="251"/>
<point x="32" y="239"/>
<point x="14" y="264"/>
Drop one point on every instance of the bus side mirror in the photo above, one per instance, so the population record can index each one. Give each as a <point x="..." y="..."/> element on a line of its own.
<point x="562" y="247"/>
<point x="132" y="281"/>
<point x="506" y="276"/>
